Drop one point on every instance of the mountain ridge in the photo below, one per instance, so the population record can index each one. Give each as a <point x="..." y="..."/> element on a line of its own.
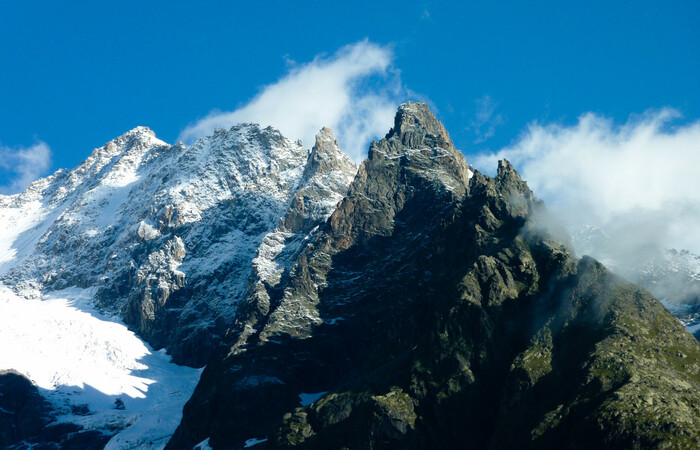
<point x="467" y="312"/>
<point x="166" y="239"/>
<point x="409" y="303"/>
<point x="140" y="194"/>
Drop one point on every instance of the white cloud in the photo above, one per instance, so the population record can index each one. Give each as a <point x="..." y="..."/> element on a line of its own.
<point x="23" y="165"/>
<point x="485" y="120"/>
<point x="639" y="181"/>
<point x="355" y="92"/>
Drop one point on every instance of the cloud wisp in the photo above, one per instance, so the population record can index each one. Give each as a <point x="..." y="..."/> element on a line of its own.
<point x="486" y="120"/>
<point x="355" y="92"/>
<point x="21" y="166"/>
<point x="637" y="181"/>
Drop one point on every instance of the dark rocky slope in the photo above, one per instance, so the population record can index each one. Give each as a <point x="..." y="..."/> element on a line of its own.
<point x="26" y="420"/>
<point x="434" y="311"/>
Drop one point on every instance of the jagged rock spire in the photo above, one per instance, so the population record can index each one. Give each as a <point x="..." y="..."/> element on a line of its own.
<point x="326" y="156"/>
<point x="416" y="126"/>
<point x="418" y="140"/>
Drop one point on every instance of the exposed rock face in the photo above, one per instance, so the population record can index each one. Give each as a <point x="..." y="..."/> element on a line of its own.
<point x="167" y="235"/>
<point x="325" y="179"/>
<point x="433" y="310"/>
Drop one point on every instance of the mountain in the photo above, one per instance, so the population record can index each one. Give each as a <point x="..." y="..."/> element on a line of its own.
<point x="435" y="309"/>
<point x="166" y="239"/>
<point x="412" y="302"/>
<point x="124" y="221"/>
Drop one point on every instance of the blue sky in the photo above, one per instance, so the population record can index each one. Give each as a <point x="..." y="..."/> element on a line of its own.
<point x="78" y="74"/>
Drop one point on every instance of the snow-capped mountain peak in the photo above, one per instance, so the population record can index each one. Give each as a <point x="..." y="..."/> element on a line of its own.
<point x="167" y="238"/>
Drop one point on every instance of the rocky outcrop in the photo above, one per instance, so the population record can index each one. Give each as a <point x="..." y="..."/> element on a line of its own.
<point x="326" y="178"/>
<point x="435" y="310"/>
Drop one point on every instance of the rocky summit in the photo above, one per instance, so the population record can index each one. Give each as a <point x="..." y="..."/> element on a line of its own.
<point x="437" y="308"/>
<point x="412" y="302"/>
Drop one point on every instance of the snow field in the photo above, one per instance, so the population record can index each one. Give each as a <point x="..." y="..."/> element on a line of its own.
<point x="80" y="358"/>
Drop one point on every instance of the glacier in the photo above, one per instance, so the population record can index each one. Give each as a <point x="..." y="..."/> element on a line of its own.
<point x="83" y="360"/>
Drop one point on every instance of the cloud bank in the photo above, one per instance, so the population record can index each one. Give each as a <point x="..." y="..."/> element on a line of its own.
<point x="20" y="166"/>
<point x="637" y="181"/>
<point x="355" y="92"/>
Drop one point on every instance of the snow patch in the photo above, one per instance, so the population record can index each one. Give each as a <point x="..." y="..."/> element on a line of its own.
<point x="253" y="441"/>
<point x="22" y="228"/>
<point x="147" y="232"/>
<point x="204" y="445"/>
